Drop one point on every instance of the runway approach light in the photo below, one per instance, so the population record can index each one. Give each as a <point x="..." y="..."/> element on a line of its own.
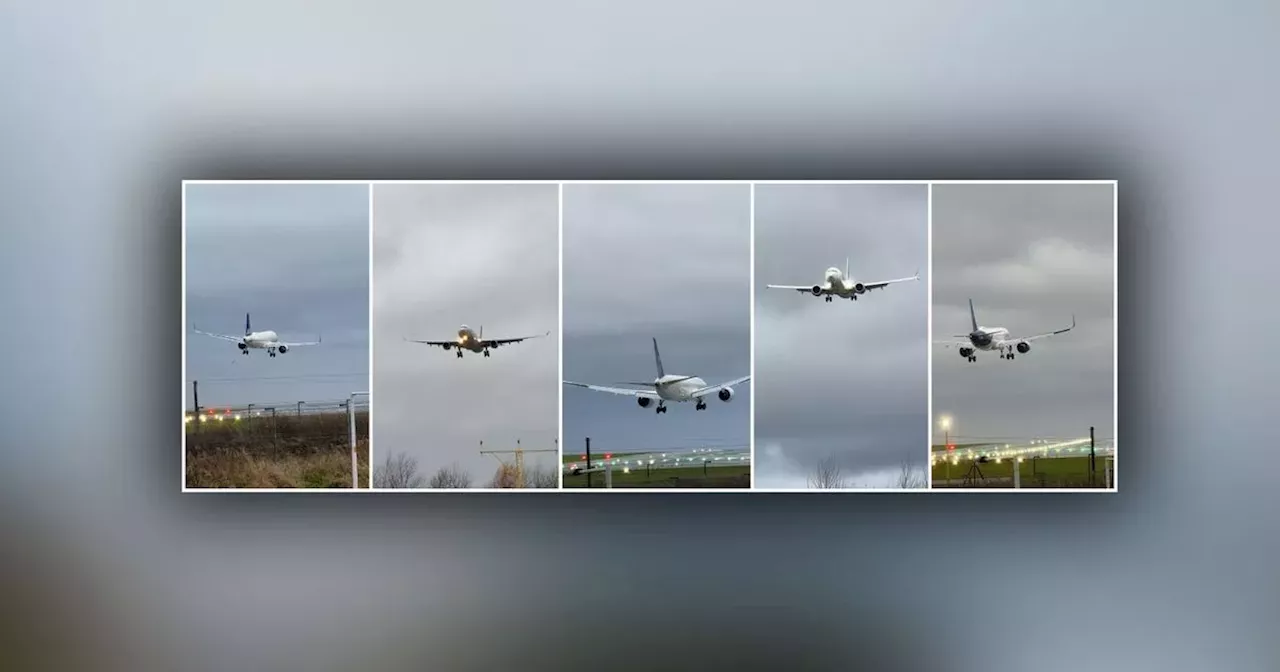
<point x="237" y="416"/>
<point x="608" y="456"/>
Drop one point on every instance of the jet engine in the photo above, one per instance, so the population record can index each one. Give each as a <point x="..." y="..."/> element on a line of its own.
<point x="859" y="288"/>
<point x="1023" y="348"/>
<point x="446" y="346"/>
<point x="966" y="352"/>
<point x="725" y="393"/>
<point x="242" y="345"/>
<point x="817" y="291"/>
<point x="644" y="401"/>
<point x="284" y="349"/>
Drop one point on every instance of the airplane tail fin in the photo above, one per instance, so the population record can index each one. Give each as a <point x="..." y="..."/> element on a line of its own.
<point x="657" y="358"/>
<point x="246" y="325"/>
<point x="973" y="317"/>
<point x="846" y="268"/>
<point x="481" y="334"/>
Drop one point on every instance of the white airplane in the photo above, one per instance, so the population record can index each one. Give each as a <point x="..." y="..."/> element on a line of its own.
<point x="475" y="342"/>
<point x="259" y="340"/>
<point x="834" y="283"/>
<point x="666" y="388"/>
<point x="996" y="338"/>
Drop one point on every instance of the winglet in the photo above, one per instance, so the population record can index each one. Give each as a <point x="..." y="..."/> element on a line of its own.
<point x="917" y="274"/>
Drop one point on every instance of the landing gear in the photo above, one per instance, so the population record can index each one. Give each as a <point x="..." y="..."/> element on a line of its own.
<point x="486" y="353"/>
<point x="459" y="354"/>
<point x="245" y="353"/>
<point x="701" y="406"/>
<point x="660" y="409"/>
<point x="271" y="353"/>
<point x="828" y="299"/>
<point x="973" y="358"/>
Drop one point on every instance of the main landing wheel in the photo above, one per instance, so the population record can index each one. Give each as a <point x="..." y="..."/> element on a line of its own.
<point x="700" y="407"/>
<point x="828" y="299"/>
<point x="459" y="354"/>
<point x="486" y="353"/>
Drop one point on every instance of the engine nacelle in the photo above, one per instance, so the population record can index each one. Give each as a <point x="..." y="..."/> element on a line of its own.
<point x="1024" y="348"/>
<point x="860" y="288"/>
<point x="284" y="349"/>
<point x="966" y="352"/>
<point x="644" y="401"/>
<point x="242" y="345"/>
<point x="817" y="291"/>
<point x="446" y="346"/>
<point x="725" y="393"/>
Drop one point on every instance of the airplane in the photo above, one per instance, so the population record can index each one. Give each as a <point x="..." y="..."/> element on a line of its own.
<point x="259" y="340"/>
<point x="475" y="342"/>
<point x="666" y="388"/>
<point x="996" y="338"/>
<point x="834" y="283"/>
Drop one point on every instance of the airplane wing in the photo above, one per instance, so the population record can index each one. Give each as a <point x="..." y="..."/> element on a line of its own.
<point x="1051" y="333"/>
<point x="716" y="388"/>
<point x="954" y="344"/>
<point x="616" y="390"/>
<point x="441" y="344"/>
<point x="807" y="289"/>
<point x="882" y="283"/>
<point x="495" y="342"/>
<point x="233" y="339"/>
<point x="299" y="344"/>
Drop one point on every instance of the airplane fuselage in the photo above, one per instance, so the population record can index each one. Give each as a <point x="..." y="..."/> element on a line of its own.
<point x="835" y="282"/>
<point x="261" y="339"/>
<point x="469" y="340"/>
<point x="671" y="388"/>
<point x="989" y="338"/>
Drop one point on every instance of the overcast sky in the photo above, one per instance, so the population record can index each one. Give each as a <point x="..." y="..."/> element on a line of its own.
<point x="665" y="261"/>
<point x="480" y="255"/>
<point x="845" y="380"/>
<point x="297" y="258"/>
<point x="1029" y="256"/>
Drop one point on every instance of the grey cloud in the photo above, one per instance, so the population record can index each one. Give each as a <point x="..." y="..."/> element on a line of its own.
<point x="482" y="255"/>
<point x="1030" y="257"/>
<point x="842" y="380"/>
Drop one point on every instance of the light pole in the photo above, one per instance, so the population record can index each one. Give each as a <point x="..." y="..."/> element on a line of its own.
<point x="946" y="445"/>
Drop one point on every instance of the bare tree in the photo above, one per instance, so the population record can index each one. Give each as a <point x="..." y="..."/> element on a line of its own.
<point x="504" y="477"/>
<point x="827" y="476"/>
<point x="451" y="476"/>
<point x="542" y="477"/>
<point x="398" y="471"/>
<point x="911" y="477"/>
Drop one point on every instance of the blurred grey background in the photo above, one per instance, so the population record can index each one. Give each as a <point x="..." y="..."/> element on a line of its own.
<point x="109" y="567"/>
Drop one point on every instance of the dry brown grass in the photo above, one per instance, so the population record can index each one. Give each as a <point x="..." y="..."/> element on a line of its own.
<point x="311" y="451"/>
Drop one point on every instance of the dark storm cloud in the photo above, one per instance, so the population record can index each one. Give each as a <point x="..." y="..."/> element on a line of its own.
<point x="670" y="262"/>
<point x="1030" y="256"/>
<point x="842" y="380"/>
<point x="484" y="255"/>
<point x="297" y="258"/>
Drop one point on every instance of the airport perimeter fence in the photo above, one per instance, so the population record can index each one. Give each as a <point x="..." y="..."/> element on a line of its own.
<point x="286" y="444"/>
